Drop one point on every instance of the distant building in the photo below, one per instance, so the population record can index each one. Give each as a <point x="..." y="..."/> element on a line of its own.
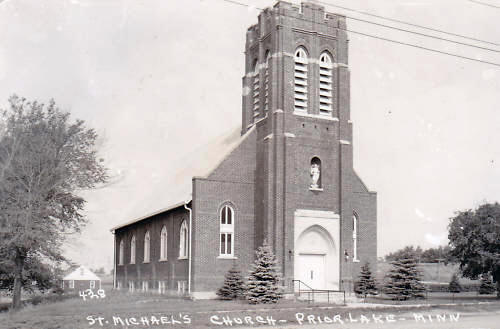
<point x="80" y="279"/>
<point x="288" y="178"/>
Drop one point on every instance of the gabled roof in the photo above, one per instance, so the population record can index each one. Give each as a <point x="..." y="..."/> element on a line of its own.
<point x="82" y="273"/>
<point x="171" y="207"/>
<point x="198" y="163"/>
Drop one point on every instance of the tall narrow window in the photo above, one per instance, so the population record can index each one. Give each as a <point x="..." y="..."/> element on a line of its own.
<point x="256" y="90"/>
<point x="325" y="84"/>
<point x="121" y="255"/>
<point x="146" y="247"/>
<point x="183" y="242"/>
<point x="355" y="238"/>
<point x="132" y="250"/>
<point x="226" y="231"/>
<point x="266" y="82"/>
<point x="163" y="243"/>
<point x="300" y="80"/>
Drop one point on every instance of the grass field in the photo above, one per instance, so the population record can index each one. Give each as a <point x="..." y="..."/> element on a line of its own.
<point x="431" y="272"/>
<point x="118" y="309"/>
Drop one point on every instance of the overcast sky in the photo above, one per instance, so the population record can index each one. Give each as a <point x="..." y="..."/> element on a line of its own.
<point x="159" y="79"/>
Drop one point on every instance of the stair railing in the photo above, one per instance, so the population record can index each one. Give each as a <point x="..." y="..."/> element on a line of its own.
<point x="311" y="292"/>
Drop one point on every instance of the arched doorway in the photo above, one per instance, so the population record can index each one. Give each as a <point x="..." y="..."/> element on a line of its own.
<point x="316" y="259"/>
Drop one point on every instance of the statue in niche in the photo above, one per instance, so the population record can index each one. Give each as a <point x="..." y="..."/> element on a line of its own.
<point x="315" y="175"/>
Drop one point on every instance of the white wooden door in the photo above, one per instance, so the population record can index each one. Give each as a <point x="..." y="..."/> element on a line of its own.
<point x="312" y="270"/>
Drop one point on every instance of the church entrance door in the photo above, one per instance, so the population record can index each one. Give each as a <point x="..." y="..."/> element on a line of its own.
<point x="312" y="270"/>
<point x="316" y="252"/>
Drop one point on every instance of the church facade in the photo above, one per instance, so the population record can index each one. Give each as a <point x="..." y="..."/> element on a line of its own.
<point x="288" y="178"/>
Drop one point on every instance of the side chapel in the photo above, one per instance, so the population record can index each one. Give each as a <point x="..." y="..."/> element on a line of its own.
<point x="288" y="178"/>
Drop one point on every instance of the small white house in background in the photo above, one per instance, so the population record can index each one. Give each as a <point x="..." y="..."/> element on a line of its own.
<point x="80" y="279"/>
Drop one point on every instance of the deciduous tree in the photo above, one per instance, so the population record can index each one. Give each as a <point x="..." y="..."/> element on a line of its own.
<point x="474" y="237"/>
<point x="45" y="160"/>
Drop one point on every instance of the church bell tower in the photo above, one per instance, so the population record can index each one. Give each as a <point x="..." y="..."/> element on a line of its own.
<point x="309" y="203"/>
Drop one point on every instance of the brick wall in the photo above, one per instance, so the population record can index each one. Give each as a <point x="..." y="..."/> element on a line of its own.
<point x="232" y="183"/>
<point x="172" y="270"/>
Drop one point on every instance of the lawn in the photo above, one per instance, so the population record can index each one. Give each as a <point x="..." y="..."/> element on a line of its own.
<point x="120" y="309"/>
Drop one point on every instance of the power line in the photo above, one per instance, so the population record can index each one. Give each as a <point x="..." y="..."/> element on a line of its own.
<point x="423" y="48"/>
<point x="395" y="28"/>
<point x="485" y="4"/>
<point x="408" y="23"/>
<point x="423" y="34"/>
<point x="242" y="4"/>
<point x="382" y="38"/>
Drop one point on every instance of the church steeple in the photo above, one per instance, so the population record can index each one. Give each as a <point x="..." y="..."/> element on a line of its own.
<point x="296" y="98"/>
<point x="294" y="57"/>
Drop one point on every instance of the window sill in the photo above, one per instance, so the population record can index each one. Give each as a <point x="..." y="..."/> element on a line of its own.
<point x="315" y="116"/>
<point x="226" y="257"/>
<point x="132" y="263"/>
<point x="182" y="257"/>
<point x="355" y="260"/>
<point x="315" y="189"/>
<point x="145" y="262"/>
<point x="162" y="260"/>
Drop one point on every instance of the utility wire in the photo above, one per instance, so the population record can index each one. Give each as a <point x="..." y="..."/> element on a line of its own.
<point x="421" y="47"/>
<point x="380" y="38"/>
<point x="485" y="4"/>
<point x="423" y="34"/>
<point x="242" y="4"/>
<point x="407" y="23"/>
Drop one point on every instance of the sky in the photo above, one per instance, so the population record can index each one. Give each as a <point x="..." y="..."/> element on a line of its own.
<point x="159" y="80"/>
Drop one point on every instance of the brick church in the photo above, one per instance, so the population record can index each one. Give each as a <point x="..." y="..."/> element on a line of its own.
<point x="287" y="177"/>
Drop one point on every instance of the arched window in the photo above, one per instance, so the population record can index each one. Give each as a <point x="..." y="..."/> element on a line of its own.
<point x="300" y="80"/>
<point x="266" y="82"/>
<point x="121" y="255"/>
<point x="163" y="243"/>
<point x="256" y="89"/>
<point x="183" y="242"/>
<point x="132" y="250"/>
<point x="325" y="84"/>
<point x="315" y="173"/>
<point x="146" y="247"/>
<point x="227" y="231"/>
<point x="355" y="237"/>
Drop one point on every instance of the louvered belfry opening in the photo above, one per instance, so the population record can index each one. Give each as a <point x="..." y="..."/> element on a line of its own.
<point x="266" y="82"/>
<point x="256" y="90"/>
<point x="300" y="80"/>
<point x="325" y="84"/>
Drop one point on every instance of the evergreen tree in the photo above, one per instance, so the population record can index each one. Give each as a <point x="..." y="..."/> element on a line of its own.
<point x="454" y="285"/>
<point x="404" y="279"/>
<point x="366" y="284"/>
<point x="263" y="282"/>
<point x="233" y="286"/>
<point x="486" y="287"/>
